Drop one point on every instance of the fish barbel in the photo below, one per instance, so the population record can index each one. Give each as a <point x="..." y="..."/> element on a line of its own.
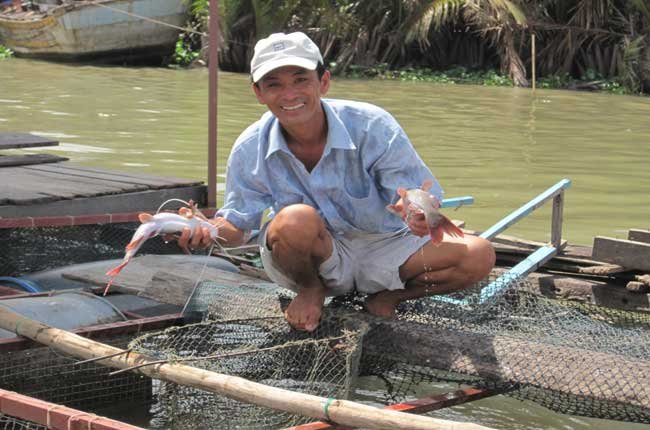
<point x="161" y="223"/>
<point x="419" y="200"/>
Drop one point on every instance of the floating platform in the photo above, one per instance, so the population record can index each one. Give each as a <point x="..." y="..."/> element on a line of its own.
<point x="42" y="185"/>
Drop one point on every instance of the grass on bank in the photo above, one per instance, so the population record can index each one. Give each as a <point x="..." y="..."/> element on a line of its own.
<point x="5" y="52"/>
<point x="461" y="75"/>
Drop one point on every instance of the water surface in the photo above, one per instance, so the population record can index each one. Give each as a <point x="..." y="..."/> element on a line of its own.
<point x="503" y="146"/>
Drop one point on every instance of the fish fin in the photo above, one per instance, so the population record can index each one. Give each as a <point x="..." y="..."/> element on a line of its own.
<point x="436" y="233"/>
<point x="401" y="191"/>
<point x="450" y="228"/>
<point x="392" y="209"/>
<point x="426" y="185"/>
<point x="133" y="244"/>
<point x="144" y="217"/>
<point x="186" y="212"/>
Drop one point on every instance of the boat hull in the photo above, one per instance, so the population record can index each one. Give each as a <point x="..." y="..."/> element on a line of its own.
<point x="93" y="30"/>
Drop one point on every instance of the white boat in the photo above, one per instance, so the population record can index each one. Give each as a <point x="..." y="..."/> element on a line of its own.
<point x="82" y="30"/>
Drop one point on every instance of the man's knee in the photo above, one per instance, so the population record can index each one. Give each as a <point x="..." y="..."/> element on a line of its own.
<point x="480" y="258"/>
<point x="301" y="228"/>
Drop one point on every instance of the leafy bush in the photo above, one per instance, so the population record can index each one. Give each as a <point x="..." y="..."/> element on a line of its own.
<point x="5" y="52"/>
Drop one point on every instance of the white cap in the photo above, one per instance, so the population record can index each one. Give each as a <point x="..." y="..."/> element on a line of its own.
<point x="279" y="50"/>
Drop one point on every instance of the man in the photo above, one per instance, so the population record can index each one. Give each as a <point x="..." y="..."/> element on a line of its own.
<point x="327" y="169"/>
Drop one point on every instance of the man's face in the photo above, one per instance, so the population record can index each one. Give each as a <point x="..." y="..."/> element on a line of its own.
<point x="292" y="94"/>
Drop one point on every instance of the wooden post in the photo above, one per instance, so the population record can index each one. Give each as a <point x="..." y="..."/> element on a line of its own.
<point x="213" y="76"/>
<point x="532" y="37"/>
<point x="340" y="411"/>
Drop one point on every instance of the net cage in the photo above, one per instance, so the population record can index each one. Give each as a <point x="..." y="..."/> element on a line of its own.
<point x="7" y="422"/>
<point x="28" y="250"/>
<point x="48" y="375"/>
<point x="265" y="350"/>
<point x="570" y="357"/>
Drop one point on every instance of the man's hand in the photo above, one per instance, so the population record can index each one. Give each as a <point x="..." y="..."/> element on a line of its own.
<point x="413" y="217"/>
<point x="197" y="239"/>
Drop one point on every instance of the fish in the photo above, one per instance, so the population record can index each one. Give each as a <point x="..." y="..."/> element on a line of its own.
<point x="161" y="223"/>
<point x="420" y="200"/>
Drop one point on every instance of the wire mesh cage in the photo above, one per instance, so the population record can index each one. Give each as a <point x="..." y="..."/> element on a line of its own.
<point x="7" y="422"/>
<point x="33" y="249"/>
<point x="48" y="375"/>
<point x="264" y="350"/>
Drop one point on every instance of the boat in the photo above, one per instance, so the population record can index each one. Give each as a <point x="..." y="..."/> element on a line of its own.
<point x="113" y="30"/>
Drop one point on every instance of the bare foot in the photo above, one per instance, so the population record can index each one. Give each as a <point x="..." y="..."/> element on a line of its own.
<point x="304" y="311"/>
<point x="381" y="304"/>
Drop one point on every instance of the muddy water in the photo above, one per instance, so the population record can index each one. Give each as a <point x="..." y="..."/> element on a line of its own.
<point x="503" y="146"/>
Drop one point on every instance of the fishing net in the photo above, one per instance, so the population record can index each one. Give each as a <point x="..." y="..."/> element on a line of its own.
<point x="7" y="422"/>
<point x="263" y="349"/>
<point x="33" y="249"/>
<point x="571" y="358"/>
<point x="48" y="375"/>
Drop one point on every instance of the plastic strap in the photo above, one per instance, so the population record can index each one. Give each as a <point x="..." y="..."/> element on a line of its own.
<point x="328" y="402"/>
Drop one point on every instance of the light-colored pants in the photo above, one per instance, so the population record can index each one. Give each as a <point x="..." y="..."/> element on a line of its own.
<point x="367" y="262"/>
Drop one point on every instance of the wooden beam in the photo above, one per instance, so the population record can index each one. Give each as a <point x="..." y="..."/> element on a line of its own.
<point x="55" y="417"/>
<point x="23" y="160"/>
<point x="419" y="406"/>
<point x="627" y="253"/>
<point x="340" y="411"/>
<point x="638" y="235"/>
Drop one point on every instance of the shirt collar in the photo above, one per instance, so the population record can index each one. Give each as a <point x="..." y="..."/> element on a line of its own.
<point x="337" y="134"/>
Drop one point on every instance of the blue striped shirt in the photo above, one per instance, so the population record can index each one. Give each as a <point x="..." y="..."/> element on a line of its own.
<point x="366" y="158"/>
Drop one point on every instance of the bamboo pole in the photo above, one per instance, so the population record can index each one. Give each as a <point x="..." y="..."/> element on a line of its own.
<point x="340" y="411"/>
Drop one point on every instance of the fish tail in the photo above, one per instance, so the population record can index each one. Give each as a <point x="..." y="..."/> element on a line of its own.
<point x="117" y="269"/>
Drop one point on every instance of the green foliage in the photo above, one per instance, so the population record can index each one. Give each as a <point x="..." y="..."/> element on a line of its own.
<point x="183" y="55"/>
<point x="456" y="75"/>
<point x="5" y="52"/>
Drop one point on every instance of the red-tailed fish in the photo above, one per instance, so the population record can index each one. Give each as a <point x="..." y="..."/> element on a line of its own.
<point x="161" y="223"/>
<point x="419" y="200"/>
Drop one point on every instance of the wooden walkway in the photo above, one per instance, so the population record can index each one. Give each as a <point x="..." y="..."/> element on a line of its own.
<point x="31" y="187"/>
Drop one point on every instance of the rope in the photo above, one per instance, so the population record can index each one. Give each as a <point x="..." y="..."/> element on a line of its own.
<point x="71" y="418"/>
<point x="166" y="24"/>
<point x="48" y="421"/>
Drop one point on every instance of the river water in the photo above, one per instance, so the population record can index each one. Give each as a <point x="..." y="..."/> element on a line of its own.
<point x="503" y="146"/>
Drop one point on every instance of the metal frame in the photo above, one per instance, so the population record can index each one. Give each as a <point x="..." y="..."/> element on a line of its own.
<point x="537" y="258"/>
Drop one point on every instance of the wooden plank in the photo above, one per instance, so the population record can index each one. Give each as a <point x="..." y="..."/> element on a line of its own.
<point x="23" y="160"/>
<point x="116" y="176"/>
<point x="53" y="416"/>
<point x="21" y="186"/>
<point x="639" y="235"/>
<point x="147" y="200"/>
<point x="24" y="140"/>
<point x="627" y="253"/>
<point x="419" y="406"/>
